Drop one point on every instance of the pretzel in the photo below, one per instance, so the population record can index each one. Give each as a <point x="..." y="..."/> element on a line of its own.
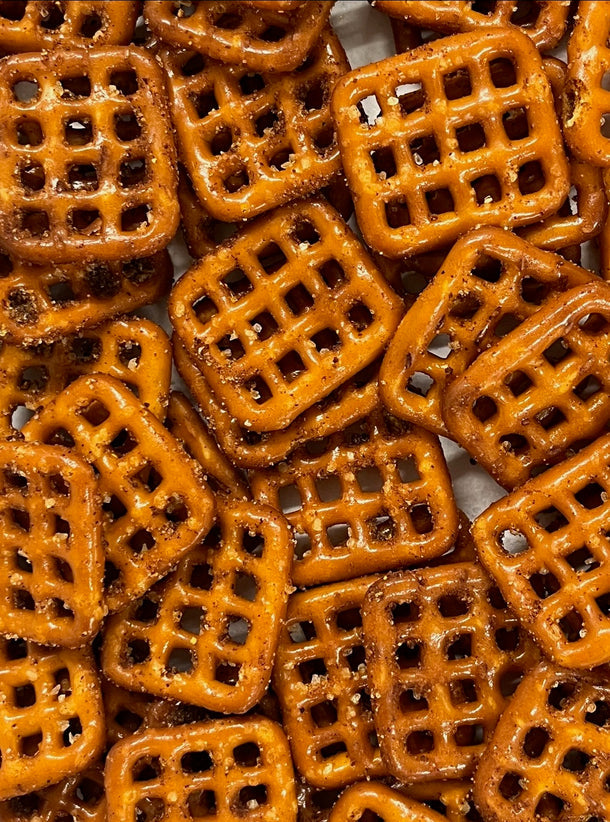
<point x="451" y="798"/>
<point x="544" y="22"/>
<point x="51" y="717"/>
<point x="260" y="39"/>
<point x="491" y="280"/>
<point x="550" y="753"/>
<point x="252" y="449"/>
<point x="376" y="801"/>
<point x="409" y="276"/>
<point x="283" y="314"/>
<point x="467" y="128"/>
<point x="253" y="142"/>
<point x="155" y="505"/>
<point x="188" y="428"/>
<point x="278" y="5"/>
<point x="539" y="393"/>
<point x="208" y="634"/>
<point x="374" y="496"/>
<point x="44" y="303"/>
<point x="77" y="798"/>
<point x="231" y="769"/>
<point x="443" y="654"/>
<point x="321" y="680"/>
<point x="51" y="562"/>
<point x="462" y="550"/>
<point x="134" y="351"/>
<point x="80" y="129"/>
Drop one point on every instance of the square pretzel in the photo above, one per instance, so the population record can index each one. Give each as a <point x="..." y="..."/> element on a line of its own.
<point x="51" y="715"/>
<point x="490" y="282"/>
<point x="80" y="130"/>
<point x="283" y="314"/>
<point x="548" y="547"/>
<point x="442" y="117"/>
<point x="370" y="498"/>
<point x="51" y="556"/>
<point x="550" y="753"/>
<point x="78" y="798"/>
<point x="260" y="39"/>
<point x="231" y="769"/>
<point x="155" y="504"/>
<point x="443" y="654"/>
<point x="540" y="392"/>
<point x="208" y="635"/>
<point x="378" y="802"/>
<point x="321" y="680"/>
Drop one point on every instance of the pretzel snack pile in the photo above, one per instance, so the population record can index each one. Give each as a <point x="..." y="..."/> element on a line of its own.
<point x="258" y="311"/>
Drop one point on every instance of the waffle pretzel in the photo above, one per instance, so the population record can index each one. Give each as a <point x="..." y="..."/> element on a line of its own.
<point x="261" y="39"/>
<point x="231" y="769"/>
<point x="376" y="801"/>
<point x="51" y="717"/>
<point x="443" y="653"/>
<point x="540" y="392"/>
<point x="135" y="351"/>
<point x="550" y="753"/>
<point x="77" y="798"/>
<point x="373" y="497"/>
<point x="491" y="280"/>
<point x="155" y="505"/>
<point x="441" y="118"/>
<point x="51" y="560"/>
<point x="283" y="314"/>
<point x="208" y="634"/>
<point x="253" y="142"/>
<point x="79" y="131"/>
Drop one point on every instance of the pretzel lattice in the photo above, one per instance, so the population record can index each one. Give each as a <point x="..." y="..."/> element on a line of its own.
<point x="77" y="798"/>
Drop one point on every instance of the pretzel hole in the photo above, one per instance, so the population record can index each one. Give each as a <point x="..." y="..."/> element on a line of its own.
<point x="85" y="221"/>
<point x="95" y="413"/>
<point x="604" y="125"/>
<point x="227" y="673"/>
<point x="147" y="611"/>
<point x="301" y="631"/>
<point x="75" y="87"/>
<point x="114" y="508"/>
<point x="245" y="586"/>
<point x="30" y="745"/>
<point x="425" y="151"/>
<point x="338" y="534"/>
<point x="204" y="309"/>
<point x="411" y="701"/>
<point x="201" y="577"/>
<point x="487" y="189"/>
<point x="544" y="584"/>
<point x="180" y="661"/>
<point x="334" y="749"/>
<point x="510" y="786"/>
<point x="61" y="526"/>
<point x="440" y="201"/>
<point x="225" y="20"/>
<point x="6" y="265"/>
<point x="291" y="366"/>
<point x="311" y="670"/>
<point x="356" y="659"/>
<point x="146" y="768"/>
<point x="408" y="655"/>
<point x="515" y="444"/>
<point x="465" y="305"/>
<point x="15" y="649"/>
<point x="452" y="605"/>
<point x="271" y="258"/>
<point x="598" y="713"/>
<point x="221" y="142"/>
<point x="531" y="177"/>
<point x="136" y="217"/>
<point x="24" y="696"/>
<point x="258" y="390"/>
<point x="267" y="122"/>
<point x="370" y="480"/>
<point x="420" y="383"/>
<point x="397" y="214"/>
<point x="125" y="81"/>
<point x="460" y="648"/>
<point x="603" y="603"/>
<point x="324" y="714"/>
<point x="575" y="761"/>
<point x="323" y="139"/>
<point x="250" y="83"/>
<point x="238" y="629"/>
<point x="78" y="131"/>
<point x="32" y="177"/>
<point x="13" y="9"/>
<point x="384" y="162"/>
<point x="470" y="137"/>
<point x="582" y="560"/>
<point x="149" y="809"/>
<point x="302" y="546"/>
<point x="20" y="518"/>
<point x="593" y="324"/>
<point x="360" y="316"/>
<point x="420" y="742"/>
<point x="236" y="180"/>
<point x="550" y="519"/>
<point x="201" y="804"/>
<point x="22" y="563"/>
<point x="197" y="762"/>
<point x="506" y="324"/>
<point x="503" y="72"/>
<point x="104" y="282"/>
<point x="61" y="293"/>
<point x="369" y="109"/>
<point x="123" y="443"/>
<point x="280" y="160"/>
<point x="526" y="13"/>
<point x="92" y="23"/>
<point x="484" y="408"/>
<point x="550" y="417"/>
<point x="141" y="541"/>
<point x="411" y="96"/>
<point x="132" y="172"/>
<point x="35" y="223"/>
<point x="518" y="382"/>
<point x="463" y="691"/>
<point x="382" y="527"/>
<point x="126" y="126"/>
<point x="26" y="90"/>
<point x="457" y="84"/>
<point x="328" y="487"/>
<point x="572" y="626"/>
<point x="549" y="806"/>
<point x="29" y="133"/>
<point x="467" y="736"/>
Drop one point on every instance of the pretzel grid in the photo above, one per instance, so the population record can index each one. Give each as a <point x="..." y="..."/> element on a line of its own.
<point x="51" y="722"/>
<point x="373" y="497"/>
<point x="233" y="770"/>
<point x="77" y="798"/>
<point x="456" y="134"/>
<point x="377" y="802"/>
<point x="443" y="654"/>
<point x="80" y="131"/>
<point x="155" y="505"/>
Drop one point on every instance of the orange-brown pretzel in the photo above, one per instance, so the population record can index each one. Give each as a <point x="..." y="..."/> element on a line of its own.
<point x="451" y="798"/>
<point x="491" y="281"/>
<point x="377" y="802"/>
<point x="278" y="5"/>
<point x="372" y="497"/>
<point x="252" y="142"/>
<point x="208" y="634"/>
<point x="540" y="392"/>
<point x="550" y="753"/>
<point x="261" y="39"/>
<point x="88" y="156"/>
<point x="408" y="276"/>
<point x="283" y="314"/>
<point x="467" y="128"/>
<point x="77" y="798"/>
<point x="321" y="680"/>
<point x="443" y="653"/>
<point x="51" y="557"/>
<point x="43" y="303"/>
<point x="234" y="770"/>
<point x="155" y="504"/>
<point x="547" y="547"/>
<point x="51" y="715"/>
<point x="135" y="351"/>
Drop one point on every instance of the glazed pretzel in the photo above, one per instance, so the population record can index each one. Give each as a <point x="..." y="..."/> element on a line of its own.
<point x="77" y="798"/>
<point x="546" y="546"/>
<point x="374" y="800"/>
<point x="491" y="280"/>
<point x="155" y="504"/>
<point x="233" y="769"/>
<point x="208" y="634"/>
<point x="51" y="717"/>
<point x="253" y="142"/>
<point x="321" y="680"/>
<point x="374" y="496"/>
<point x="467" y="128"/>
<point x="135" y="351"/>
<point x="43" y="303"/>
<point x="540" y="392"/>
<point x="283" y="314"/>
<point x="80" y="131"/>
<point x="442" y="653"/>
<point x="550" y="752"/>
<point x="51" y="556"/>
<point x="452" y="799"/>
<point x="260" y="39"/>
<point x="278" y="5"/>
